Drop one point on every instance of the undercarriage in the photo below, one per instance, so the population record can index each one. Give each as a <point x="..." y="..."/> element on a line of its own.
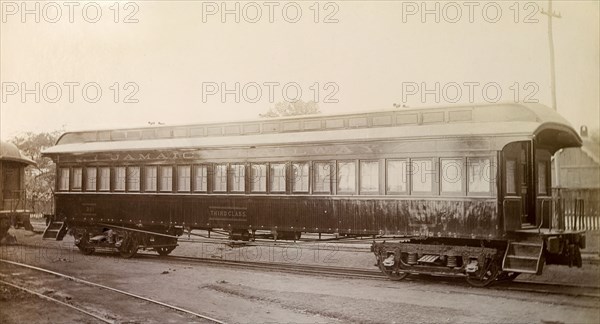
<point x="480" y="265"/>
<point x="127" y="241"/>
<point x="481" y="262"/>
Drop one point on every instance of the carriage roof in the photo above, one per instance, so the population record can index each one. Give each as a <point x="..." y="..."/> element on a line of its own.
<point x="504" y="122"/>
<point x="10" y="152"/>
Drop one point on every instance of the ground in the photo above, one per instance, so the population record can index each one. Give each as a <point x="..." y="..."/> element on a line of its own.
<point x="17" y="306"/>
<point x="250" y="296"/>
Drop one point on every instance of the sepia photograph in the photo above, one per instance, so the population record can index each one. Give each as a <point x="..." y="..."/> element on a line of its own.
<point x="303" y="161"/>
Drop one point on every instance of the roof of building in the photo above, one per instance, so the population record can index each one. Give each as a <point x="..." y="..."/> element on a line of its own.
<point x="592" y="149"/>
<point x="495" y="120"/>
<point x="10" y="152"/>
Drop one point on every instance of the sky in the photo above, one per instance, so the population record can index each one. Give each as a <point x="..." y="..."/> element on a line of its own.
<point x="109" y="64"/>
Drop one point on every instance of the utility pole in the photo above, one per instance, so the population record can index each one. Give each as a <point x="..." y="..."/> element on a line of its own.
<point x="551" y="14"/>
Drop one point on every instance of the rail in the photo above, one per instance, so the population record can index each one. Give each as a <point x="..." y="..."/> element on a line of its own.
<point x="54" y="300"/>
<point x="566" y="289"/>
<point x="89" y="283"/>
<point x="590" y="291"/>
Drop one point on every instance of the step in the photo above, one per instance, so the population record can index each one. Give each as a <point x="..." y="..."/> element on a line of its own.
<point x="48" y="232"/>
<point x="61" y="233"/>
<point x="527" y="244"/>
<point x="518" y="270"/>
<point x="521" y="257"/>
<point x="56" y="230"/>
<point x="51" y="234"/>
<point x="523" y="265"/>
<point x="56" y="225"/>
<point x="525" y="249"/>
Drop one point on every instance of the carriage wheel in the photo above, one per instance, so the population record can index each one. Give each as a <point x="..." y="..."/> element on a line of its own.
<point x="508" y="276"/>
<point x="129" y="247"/>
<point x="291" y="236"/>
<point x="85" y="249"/>
<point x="392" y="274"/>
<point x="490" y="274"/>
<point x="164" y="251"/>
<point x="84" y="245"/>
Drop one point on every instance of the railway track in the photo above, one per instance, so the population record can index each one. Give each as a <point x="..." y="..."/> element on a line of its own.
<point x="57" y="301"/>
<point x="356" y="273"/>
<point x="83" y="310"/>
<point x="346" y="245"/>
<point x="279" y="267"/>
<point x="337" y="245"/>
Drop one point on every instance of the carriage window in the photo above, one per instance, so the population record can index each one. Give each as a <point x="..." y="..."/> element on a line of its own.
<point x="277" y="177"/>
<point x="346" y="177"/>
<point x="511" y="177"/>
<point x="238" y="178"/>
<point x="120" y="177"/>
<point x="524" y="170"/>
<point x="63" y="183"/>
<point x="397" y="173"/>
<point x="258" y="178"/>
<point x="479" y="173"/>
<point x="369" y="176"/>
<point x="77" y="175"/>
<point x="220" y="183"/>
<point x="422" y="172"/>
<point x="133" y="178"/>
<point x="184" y="178"/>
<point x="104" y="175"/>
<point x="322" y="177"/>
<point x="150" y="178"/>
<point x="301" y="177"/>
<point x="200" y="176"/>
<point x="166" y="178"/>
<point x="90" y="179"/>
<point x="451" y="175"/>
<point x="542" y="183"/>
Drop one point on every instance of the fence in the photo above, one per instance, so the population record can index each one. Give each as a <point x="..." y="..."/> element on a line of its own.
<point x="577" y="209"/>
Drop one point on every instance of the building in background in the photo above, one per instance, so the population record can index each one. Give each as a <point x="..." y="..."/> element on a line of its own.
<point x="579" y="168"/>
<point x="579" y="180"/>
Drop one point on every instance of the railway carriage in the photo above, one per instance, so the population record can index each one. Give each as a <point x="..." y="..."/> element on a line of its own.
<point x="467" y="187"/>
<point x="13" y="211"/>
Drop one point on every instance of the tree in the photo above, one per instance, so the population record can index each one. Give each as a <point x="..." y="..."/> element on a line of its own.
<point x="39" y="179"/>
<point x="296" y="108"/>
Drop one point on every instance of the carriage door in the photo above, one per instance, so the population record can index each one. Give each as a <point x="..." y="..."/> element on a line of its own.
<point x="516" y="186"/>
<point x="11" y="186"/>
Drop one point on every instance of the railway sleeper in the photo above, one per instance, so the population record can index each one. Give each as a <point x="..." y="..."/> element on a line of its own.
<point x="126" y="242"/>
<point x="247" y="235"/>
<point x="479" y="265"/>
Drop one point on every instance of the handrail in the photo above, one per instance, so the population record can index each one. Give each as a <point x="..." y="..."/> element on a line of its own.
<point x="542" y="213"/>
<point x="542" y="201"/>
